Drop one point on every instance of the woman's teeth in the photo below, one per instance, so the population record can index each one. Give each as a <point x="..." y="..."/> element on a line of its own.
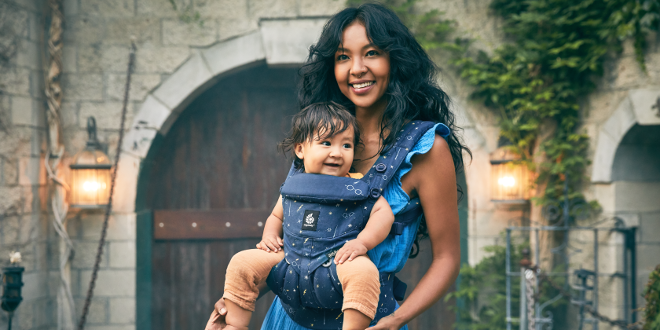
<point x="363" y="85"/>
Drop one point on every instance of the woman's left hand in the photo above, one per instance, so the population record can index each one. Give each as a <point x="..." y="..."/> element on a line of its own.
<point x="387" y="323"/>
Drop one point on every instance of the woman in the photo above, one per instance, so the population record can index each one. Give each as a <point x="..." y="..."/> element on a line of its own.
<point x="368" y="61"/>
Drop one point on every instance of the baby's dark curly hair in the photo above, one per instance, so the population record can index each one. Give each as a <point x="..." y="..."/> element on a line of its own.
<point x="318" y="120"/>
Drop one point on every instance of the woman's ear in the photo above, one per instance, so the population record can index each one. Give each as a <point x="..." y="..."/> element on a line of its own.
<point x="298" y="149"/>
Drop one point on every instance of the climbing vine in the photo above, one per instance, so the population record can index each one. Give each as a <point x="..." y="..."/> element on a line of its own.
<point x="537" y="79"/>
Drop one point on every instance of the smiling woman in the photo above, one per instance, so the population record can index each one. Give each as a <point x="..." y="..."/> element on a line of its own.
<point x="362" y="69"/>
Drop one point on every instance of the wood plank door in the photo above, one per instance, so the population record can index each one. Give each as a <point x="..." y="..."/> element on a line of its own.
<point x="215" y="176"/>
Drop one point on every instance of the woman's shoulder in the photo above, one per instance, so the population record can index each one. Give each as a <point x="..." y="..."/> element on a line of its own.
<point x="436" y="160"/>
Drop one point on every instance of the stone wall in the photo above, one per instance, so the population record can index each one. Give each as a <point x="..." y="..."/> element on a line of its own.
<point x="24" y="222"/>
<point x="170" y="37"/>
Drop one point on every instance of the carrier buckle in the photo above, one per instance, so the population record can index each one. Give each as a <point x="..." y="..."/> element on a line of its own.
<point x="381" y="168"/>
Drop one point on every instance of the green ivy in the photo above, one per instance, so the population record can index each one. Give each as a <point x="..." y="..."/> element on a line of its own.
<point x="554" y="51"/>
<point x="652" y="297"/>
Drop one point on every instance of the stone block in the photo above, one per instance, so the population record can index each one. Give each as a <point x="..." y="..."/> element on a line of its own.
<point x="122" y="310"/>
<point x="146" y="124"/>
<point x="642" y="101"/>
<point x="159" y="8"/>
<point x="601" y="104"/>
<point x="144" y="29"/>
<point x="69" y="114"/>
<point x="23" y="111"/>
<point x="141" y="84"/>
<point x="83" y="30"/>
<point x="122" y="254"/>
<point x="31" y="171"/>
<point x="35" y="285"/>
<point x="234" y="53"/>
<point x="287" y="42"/>
<point x="625" y="73"/>
<point x="83" y="87"/>
<point x="180" y="86"/>
<point x="35" y="24"/>
<point x="16" y="81"/>
<point x="69" y="59"/>
<point x="178" y="32"/>
<point x="15" y="200"/>
<point x="621" y="120"/>
<point x="16" y="230"/>
<point x="272" y="8"/>
<point x="107" y="114"/>
<point x="85" y="254"/>
<point x="98" y="308"/>
<point x="71" y="8"/>
<point x="28" y="55"/>
<point x="233" y="27"/>
<point x="637" y="196"/>
<point x="99" y="58"/>
<point x="127" y="174"/>
<point x="650" y="227"/>
<point x="9" y="175"/>
<point x="151" y="59"/>
<point x="603" y="158"/>
<point x="111" y="283"/>
<point x="45" y="311"/>
<point x="121" y="227"/>
<point x="104" y="8"/>
<point x="320" y="8"/>
<point x="647" y="256"/>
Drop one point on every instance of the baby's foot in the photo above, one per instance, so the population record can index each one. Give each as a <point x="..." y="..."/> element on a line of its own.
<point x="231" y="327"/>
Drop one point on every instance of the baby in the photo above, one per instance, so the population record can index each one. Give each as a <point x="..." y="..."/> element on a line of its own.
<point x="323" y="139"/>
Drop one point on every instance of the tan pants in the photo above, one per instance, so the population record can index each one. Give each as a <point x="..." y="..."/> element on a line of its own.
<point x="247" y="269"/>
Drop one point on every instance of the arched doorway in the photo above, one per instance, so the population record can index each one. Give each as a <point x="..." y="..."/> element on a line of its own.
<point x="636" y="180"/>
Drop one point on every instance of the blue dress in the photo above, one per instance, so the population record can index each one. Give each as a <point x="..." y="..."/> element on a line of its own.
<point x="390" y="255"/>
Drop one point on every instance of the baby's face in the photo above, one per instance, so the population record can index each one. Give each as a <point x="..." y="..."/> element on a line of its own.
<point x="328" y="155"/>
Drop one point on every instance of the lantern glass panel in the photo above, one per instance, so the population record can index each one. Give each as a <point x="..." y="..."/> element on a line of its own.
<point x="90" y="179"/>
<point x="510" y="182"/>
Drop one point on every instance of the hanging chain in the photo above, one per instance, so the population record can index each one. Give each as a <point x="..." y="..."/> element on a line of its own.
<point x="92" y="282"/>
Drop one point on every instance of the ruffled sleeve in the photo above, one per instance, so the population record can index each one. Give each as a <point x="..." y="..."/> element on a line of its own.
<point x="391" y="255"/>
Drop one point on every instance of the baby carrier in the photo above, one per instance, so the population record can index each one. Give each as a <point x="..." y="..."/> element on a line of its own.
<point x="321" y="213"/>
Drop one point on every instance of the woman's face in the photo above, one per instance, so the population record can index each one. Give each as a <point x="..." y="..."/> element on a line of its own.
<point x="362" y="69"/>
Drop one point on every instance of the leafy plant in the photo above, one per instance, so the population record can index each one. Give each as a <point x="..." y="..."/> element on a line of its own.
<point x="652" y="296"/>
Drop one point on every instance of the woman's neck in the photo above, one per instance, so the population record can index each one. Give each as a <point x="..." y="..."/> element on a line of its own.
<point x="370" y="119"/>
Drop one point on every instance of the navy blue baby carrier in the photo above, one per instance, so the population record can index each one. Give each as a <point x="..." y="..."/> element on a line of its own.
<point x="321" y="213"/>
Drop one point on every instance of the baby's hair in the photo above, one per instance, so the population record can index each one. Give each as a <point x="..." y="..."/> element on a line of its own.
<point x="325" y="119"/>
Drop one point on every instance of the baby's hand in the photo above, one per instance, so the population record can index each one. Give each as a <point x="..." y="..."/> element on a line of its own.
<point x="350" y="251"/>
<point x="270" y="243"/>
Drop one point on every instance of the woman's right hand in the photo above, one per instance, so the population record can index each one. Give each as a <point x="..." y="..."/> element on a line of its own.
<point x="217" y="319"/>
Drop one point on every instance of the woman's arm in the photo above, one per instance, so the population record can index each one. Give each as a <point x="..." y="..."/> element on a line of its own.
<point x="434" y="179"/>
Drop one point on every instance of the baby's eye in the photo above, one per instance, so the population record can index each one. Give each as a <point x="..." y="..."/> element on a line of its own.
<point x="348" y="146"/>
<point x="326" y="143"/>
<point x="342" y="57"/>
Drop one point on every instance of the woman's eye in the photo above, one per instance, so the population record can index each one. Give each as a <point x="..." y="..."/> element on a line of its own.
<point x="342" y="57"/>
<point x="372" y="53"/>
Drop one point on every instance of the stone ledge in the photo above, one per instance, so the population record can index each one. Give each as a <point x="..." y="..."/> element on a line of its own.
<point x="183" y="83"/>
<point x="287" y="42"/>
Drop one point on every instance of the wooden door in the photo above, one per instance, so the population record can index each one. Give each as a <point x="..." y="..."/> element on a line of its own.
<point x="215" y="176"/>
<point x="218" y="165"/>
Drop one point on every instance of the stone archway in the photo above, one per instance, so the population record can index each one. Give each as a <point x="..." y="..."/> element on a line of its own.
<point x="634" y="109"/>
<point x="277" y="42"/>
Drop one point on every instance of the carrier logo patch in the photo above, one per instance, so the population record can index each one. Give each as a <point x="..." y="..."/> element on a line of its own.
<point x="310" y="220"/>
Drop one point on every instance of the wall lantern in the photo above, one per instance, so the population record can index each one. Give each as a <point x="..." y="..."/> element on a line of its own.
<point x="12" y="283"/>
<point x="90" y="173"/>
<point x="510" y="182"/>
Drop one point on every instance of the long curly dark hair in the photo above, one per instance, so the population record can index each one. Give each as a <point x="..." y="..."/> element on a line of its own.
<point x="413" y="93"/>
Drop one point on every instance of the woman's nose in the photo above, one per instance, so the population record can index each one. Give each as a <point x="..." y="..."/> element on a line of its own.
<point x="358" y="68"/>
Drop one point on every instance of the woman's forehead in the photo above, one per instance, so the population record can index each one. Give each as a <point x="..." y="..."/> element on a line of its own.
<point x="354" y="37"/>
